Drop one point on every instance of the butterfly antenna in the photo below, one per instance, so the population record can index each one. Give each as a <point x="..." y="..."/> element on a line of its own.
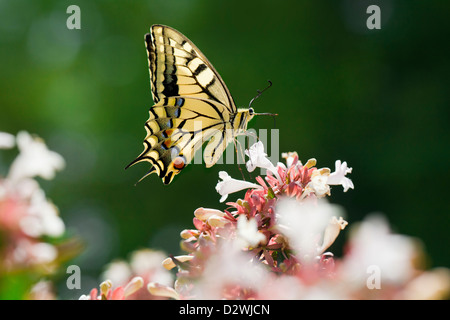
<point x="260" y="93"/>
<point x="257" y="96"/>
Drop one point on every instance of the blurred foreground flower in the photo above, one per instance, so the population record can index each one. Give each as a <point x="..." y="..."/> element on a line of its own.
<point x="119" y="293"/>
<point x="34" y="159"/>
<point x="31" y="229"/>
<point x="134" y="276"/>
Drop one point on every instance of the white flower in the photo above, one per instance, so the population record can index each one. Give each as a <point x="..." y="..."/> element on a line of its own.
<point x="148" y="262"/>
<point x="373" y="244"/>
<point x="289" y="157"/>
<point x="34" y="159"/>
<point x="338" y="176"/>
<point x="331" y="232"/>
<point x="319" y="182"/>
<point x="229" y="185"/>
<point x="42" y="217"/>
<point x="118" y="272"/>
<point x="43" y="252"/>
<point x="229" y="266"/>
<point x="27" y="251"/>
<point x="302" y="223"/>
<point x="258" y="158"/>
<point x="247" y="231"/>
<point x="6" y="140"/>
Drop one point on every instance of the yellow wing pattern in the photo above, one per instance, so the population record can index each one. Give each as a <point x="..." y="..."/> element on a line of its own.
<point x="192" y="106"/>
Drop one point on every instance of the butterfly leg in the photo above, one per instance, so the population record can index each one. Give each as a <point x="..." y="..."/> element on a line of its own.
<point x="237" y="155"/>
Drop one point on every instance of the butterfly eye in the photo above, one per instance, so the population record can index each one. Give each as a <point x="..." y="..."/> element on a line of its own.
<point x="251" y="111"/>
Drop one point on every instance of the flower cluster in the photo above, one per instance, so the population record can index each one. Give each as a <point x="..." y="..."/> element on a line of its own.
<point x="293" y="179"/>
<point x="30" y="225"/>
<point x="26" y="215"/>
<point x="129" y="280"/>
<point x="273" y="243"/>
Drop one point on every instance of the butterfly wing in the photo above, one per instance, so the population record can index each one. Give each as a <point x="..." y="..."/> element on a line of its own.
<point x="192" y="105"/>
<point x="176" y="129"/>
<point x="179" y="68"/>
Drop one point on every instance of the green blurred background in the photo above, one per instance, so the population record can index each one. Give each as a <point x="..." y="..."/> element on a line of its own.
<point x="378" y="99"/>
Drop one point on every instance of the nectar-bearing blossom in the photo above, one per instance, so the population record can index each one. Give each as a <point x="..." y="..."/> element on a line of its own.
<point x="247" y="232"/>
<point x="335" y="226"/>
<point x="34" y="159"/>
<point x="258" y="158"/>
<point x="306" y="223"/>
<point x="394" y="254"/>
<point x="42" y="218"/>
<point x="319" y="182"/>
<point x="338" y="176"/>
<point x="229" y="185"/>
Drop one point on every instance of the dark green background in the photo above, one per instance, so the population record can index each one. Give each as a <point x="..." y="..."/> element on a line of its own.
<point x="378" y="99"/>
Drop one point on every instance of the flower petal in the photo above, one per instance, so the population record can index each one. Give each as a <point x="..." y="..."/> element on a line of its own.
<point x="230" y="185"/>
<point x="258" y="158"/>
<point x="157" y="289"/>
<point x="134" y="285"/>
<point x="338" y="176"/>
<point x="35" y="159"/>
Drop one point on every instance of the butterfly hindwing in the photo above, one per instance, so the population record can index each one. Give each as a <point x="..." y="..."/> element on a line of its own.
<point x="176" y="129"/>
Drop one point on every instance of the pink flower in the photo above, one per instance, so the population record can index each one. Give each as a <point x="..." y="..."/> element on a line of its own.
<point x="27" y="218"/>
<point x="144" y="264"/>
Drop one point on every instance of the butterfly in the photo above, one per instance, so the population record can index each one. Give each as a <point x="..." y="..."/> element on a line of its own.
<point x="192" y="105"/>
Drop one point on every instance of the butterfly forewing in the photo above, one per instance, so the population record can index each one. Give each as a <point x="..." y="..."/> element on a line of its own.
<point x="178" y="68"/>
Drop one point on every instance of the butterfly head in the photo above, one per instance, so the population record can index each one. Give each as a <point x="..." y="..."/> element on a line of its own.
<point x="244" y="115"/>
<point x="242" y="118"/>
